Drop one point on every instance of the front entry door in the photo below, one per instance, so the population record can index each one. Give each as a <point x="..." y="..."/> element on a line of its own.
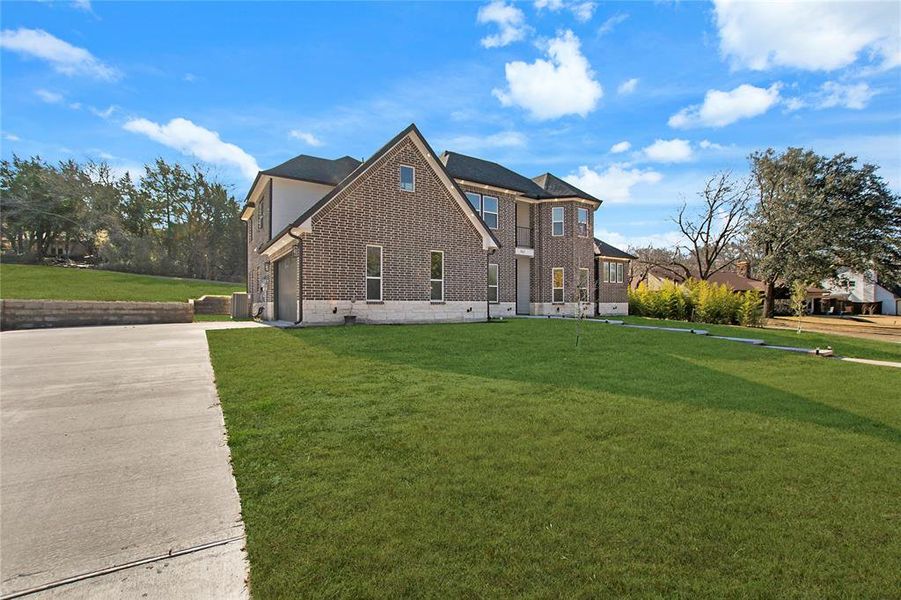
<point x="523" y="284"/>
<point x="286" y="286"/>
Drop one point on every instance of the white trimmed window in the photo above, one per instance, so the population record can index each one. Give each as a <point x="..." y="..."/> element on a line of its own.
<point x="475" y="200"/>
<point x="582" y="215"/>
<point x="489" y="211"/>
<point x="260" y="211"/>
<point x="373" y="273"/>
<point x="619" y="272"/>
<point x="486" y="206"/>
<point x="437" y="276"/>
<point x="557" y="221"/>
<point x="605" y="272"/>
<point x="583" y="285"/>
<point x="557" y="285"/>
<point x="492" y="284"/>
<point x="407" y="178"/>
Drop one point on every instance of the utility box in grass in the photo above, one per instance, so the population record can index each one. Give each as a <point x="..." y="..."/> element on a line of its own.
<point x="240" y="306"/>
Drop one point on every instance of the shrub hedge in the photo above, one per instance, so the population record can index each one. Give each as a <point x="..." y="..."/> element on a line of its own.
<point x="699" y="301"/>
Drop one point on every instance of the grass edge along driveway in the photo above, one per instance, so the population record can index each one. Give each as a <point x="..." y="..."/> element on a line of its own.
<point x="499" y="460"/>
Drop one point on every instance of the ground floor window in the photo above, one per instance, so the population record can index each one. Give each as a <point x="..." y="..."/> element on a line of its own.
<point x="437" y="280"/>
<point x="619" y="272"/>
<point x="374" y="273"/>
<point x="557" y="285"/>
<point x="492" y="283"/>
<point x="583" y="285"/>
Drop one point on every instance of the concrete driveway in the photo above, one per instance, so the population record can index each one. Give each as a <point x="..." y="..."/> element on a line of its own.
<point x="113" y="455"/>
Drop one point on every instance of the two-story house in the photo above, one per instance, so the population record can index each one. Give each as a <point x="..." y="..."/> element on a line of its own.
<point x="408" y="236"/>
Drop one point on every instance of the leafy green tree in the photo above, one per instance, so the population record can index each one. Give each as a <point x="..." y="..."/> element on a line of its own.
<point x="815" y="215"/>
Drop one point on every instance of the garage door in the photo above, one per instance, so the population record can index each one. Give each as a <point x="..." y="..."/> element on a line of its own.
<point x="286" y="300"/>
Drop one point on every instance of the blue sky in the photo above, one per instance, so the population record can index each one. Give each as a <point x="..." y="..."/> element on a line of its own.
<point x="635" y="102"/>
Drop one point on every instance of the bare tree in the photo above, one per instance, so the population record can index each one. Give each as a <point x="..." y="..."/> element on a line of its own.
<point x="717" y="227"/>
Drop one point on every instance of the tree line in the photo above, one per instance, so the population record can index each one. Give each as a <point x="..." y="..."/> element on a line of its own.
<point x="798" y="218"/>
<point x="173" y="220"/>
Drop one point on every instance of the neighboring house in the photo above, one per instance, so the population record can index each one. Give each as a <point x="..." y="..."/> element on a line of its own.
<point x="860" y="293"/>
<point x="407" y="236"/>
<point x="612" y="276"/>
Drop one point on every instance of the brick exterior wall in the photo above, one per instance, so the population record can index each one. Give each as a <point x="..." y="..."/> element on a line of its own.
<point x="613" y="298"/>
<point x="408" y="226"/>
<point x="569" y="251"/>
<point x="505" y="257"/>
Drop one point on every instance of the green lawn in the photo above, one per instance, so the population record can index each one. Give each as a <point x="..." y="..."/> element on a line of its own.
<point x="842" y="345"/>
<point x="58" y="283"/>
<point x="499" y="460"/>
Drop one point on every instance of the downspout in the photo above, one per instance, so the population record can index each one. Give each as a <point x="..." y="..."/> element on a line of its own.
<point x="299" y="277"/>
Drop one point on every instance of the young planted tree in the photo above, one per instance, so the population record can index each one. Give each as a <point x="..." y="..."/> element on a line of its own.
<point x="815" y="215"/>
<point x="799" y="301"/>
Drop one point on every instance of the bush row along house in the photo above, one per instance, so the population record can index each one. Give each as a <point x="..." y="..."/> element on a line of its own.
<point x="410" y="236"/>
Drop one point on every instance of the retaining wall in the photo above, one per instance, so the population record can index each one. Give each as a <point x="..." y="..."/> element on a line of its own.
<point x="212" y="305"/>
<point x="35" y="314"/>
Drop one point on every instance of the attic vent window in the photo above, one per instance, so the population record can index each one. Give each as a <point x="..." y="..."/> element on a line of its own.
<point x="407" y="178"/>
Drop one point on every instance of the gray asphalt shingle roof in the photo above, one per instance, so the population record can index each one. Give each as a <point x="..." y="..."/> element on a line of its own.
<point x="561" y="189"/>
<point x="315" y="169"/>
<point x="477" y="170"/>
<point x="602" y="248"/>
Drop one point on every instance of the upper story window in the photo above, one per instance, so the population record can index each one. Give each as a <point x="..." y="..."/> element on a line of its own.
<point x="373" y="273"/>
<point x="407" y="178"/>
<point x="582" y="214"/>
<point x="486" y="206"/>
<point x="475" y="200"/>
<point x="489" y="211"/>
<point x="260" y="209"/>
<point x="557" y="221"/>
<point x="437" y="276"/>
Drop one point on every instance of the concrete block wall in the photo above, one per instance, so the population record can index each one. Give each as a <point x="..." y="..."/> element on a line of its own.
<point x="212" y="305"/>
<point x="322" y="312"/>
<point x="35" y="314"/>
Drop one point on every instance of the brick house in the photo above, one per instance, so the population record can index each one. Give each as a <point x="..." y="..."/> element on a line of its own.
<point x="408" y="236"/>
<point x="612" y="275"/>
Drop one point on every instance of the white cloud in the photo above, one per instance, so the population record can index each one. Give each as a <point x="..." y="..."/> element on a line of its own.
<point x="583" y="11"/>
<point x="708" y="145"/>
<point x="189" y="77"/>
<point x="49" y="97"/>
<point x="722" y="108"/>
<point x="62" y="56"/>
<point x="84" y="5"/>
<point x="833" y="94"/>
<point x="305" y="137"/>
<point x="11" y="137"/>
<point x="188" y="138"/>
<point x="611" y="23"/>
<point x="669" y="151"/>
<point x="509" y="19"/>
<point x="816" y="36"/>
<point x="553" y="5"/>
<point x="469" y="143"/>
<point x="105" y="113"/>
<point x="548" y="89"/>
<point x="628" y="86"/>
<point x="620" y="147"/>
<point x="614" y="184"/>
<point x="852" y="95"/>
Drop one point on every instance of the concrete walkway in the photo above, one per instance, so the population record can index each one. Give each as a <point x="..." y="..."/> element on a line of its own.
<point x="113" y="454"/>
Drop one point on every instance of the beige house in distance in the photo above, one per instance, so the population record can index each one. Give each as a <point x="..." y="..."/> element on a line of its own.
<point x="409" y="236"/>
